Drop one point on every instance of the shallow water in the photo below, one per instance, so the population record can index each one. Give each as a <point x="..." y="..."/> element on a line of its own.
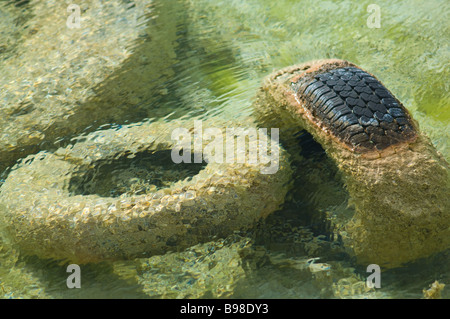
<point x="209" y="60"/>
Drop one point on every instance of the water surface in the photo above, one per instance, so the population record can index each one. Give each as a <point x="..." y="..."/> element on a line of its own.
<point x="217" y="55"/>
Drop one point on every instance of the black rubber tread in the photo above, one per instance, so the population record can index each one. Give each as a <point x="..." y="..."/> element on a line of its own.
<point x="357" y="108"/>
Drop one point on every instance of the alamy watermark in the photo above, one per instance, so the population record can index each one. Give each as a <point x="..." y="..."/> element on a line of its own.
<point x="373" y="280"/>
<point x="374" y="20"/>
<point x="234" y="145"/>
<point x="74" y="19"/>
<point x="73" y="280"/>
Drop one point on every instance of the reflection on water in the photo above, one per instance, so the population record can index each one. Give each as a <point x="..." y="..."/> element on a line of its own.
<point x="204" y="58"/>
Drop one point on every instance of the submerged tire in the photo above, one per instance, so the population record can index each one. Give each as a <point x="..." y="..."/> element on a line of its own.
<point x="44" y="216"/>
<point x="397" y="181"/>
<point x="355" y="107"/>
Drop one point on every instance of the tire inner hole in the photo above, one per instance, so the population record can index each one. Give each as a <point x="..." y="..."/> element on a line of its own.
<point x="132" y="174"/>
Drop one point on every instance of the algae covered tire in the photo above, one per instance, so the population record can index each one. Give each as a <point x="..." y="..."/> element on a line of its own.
<point x="397" y="181"/>
<point x="43" y="217"/>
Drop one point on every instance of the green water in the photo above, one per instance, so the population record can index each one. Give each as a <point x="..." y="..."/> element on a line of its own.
<point x="220" y="52"/>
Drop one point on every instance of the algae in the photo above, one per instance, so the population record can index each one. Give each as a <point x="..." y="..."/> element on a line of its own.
<point x="409" y="53"/>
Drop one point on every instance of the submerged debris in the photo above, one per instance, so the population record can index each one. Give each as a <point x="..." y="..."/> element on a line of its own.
<point x="434" y="292"/>
<point x="210" y="270"/>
